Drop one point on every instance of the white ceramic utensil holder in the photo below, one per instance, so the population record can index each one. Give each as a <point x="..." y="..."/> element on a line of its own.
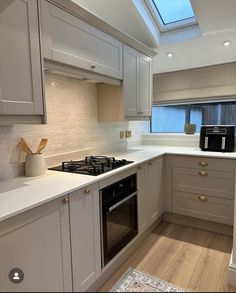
<point x="35" y="165"/>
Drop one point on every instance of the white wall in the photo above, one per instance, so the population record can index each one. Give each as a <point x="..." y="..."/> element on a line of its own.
<point x="72" y="125"/>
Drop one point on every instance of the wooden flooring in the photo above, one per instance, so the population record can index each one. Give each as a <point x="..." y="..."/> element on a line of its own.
<point x="190" y="258"/>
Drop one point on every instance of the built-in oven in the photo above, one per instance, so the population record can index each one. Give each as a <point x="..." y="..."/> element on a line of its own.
<point x="119" y="218"/>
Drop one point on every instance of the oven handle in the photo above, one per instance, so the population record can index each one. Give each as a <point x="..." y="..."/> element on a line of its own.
<point x="122" y="201"/>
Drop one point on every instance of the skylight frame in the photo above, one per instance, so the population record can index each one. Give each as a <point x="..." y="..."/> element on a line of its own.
<point x="170" y="26"/>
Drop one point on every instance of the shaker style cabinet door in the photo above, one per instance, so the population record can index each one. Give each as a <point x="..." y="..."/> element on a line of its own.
<point x="137" y="83"/>
<point x="155" y="189"/>
<point x="69" y="40"/>
<point x="85" y="237"/>
<point x="21" y="89"/>
<point x="131" y="81"/>
<point x="145" y="86"/>
<point x="143" y="199"/>
<point x="38" y="243"/>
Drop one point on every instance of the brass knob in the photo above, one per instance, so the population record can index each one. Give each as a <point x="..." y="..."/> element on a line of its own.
<point x="93" y="66"/>
<point x="202" y="198"/>
<point x="66" y="199"/>
<point x="203" y="163"/>
<point x="203" y="173"/>
<point x="139" y="167"/>
<point x="150" y="163"/>
<point x="87" y="191"/>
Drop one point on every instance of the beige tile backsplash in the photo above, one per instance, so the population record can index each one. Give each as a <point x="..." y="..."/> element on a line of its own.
<point x="72" y="125"/>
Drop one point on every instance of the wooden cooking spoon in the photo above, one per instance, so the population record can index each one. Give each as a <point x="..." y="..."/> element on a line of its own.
<point x="24" y="146"/>
<point x="42" y="145"/>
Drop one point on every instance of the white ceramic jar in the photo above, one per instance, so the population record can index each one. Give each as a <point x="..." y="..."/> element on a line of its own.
<point x="35" y="165"/>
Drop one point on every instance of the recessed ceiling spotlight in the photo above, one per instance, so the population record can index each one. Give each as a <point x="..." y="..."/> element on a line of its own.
<point x="227" y="43"/>
<point x="54" y="83"/>
<point x="170" y="54"/>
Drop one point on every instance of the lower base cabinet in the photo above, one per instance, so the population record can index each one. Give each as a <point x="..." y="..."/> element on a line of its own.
<point x="38" y="243"/>
<point x="154" y="181"/>
<point x="143" y="207"/>
<point x="149" y="193"/>
<point x="203" y="188"/>
<point x="85" y="237"/>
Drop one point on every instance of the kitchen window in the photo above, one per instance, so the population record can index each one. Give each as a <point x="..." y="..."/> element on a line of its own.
<point x="171" y="119"/>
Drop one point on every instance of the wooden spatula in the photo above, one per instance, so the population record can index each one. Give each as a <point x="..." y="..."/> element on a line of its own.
<point x="24" y="146"/>
<point x="42" y="145"/>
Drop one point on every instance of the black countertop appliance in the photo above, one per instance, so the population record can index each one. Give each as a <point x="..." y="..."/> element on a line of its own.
<point x="218" y="138"/>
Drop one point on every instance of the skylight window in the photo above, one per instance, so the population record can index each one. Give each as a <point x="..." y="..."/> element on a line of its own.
<point x="173" y="11"/>
<point x="171" y="14"/>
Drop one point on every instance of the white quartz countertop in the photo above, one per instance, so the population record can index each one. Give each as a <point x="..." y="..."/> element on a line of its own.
<point x="23" y="193"/>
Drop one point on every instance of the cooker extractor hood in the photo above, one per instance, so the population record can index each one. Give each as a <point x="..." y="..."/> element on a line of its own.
<point x="78" y="73"/>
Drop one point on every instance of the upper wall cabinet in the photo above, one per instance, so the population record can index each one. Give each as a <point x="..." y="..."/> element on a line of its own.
<point x="69" y="40"/>
<point x="145" y="85"/>
<point x="134" y="99"/>
<point x="137" y="83"/>
<point x="21" y="91"/>
<point x="131" y="81"/>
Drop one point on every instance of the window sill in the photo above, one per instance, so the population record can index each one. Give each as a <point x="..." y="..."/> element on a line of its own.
<point x="171" y="139"/>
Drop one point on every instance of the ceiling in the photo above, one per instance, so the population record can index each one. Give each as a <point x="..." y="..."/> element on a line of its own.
<point x="196" y="47"/>
<point x="121" y="14"/>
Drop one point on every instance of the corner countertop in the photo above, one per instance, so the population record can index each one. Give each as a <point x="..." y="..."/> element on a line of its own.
<point x="23" y="193"/>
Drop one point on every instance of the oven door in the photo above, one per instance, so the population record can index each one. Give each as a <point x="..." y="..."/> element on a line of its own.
<point x="119" y="226"/>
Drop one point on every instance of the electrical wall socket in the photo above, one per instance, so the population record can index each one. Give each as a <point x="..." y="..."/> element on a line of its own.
<point x="128" y="133"/>
<point x="122" y="134"/>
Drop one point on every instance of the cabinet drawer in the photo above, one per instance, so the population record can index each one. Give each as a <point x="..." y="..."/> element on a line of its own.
<point x="218" y="184"/>
<point x="204" y="163"/>
<point x="213" y="209"/>
<point x="85" y="191"/>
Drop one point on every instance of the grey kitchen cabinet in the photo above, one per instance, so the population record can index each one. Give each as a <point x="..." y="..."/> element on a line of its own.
<point x="150" y="178"/>
<point x="154" y="180"/>
<point x="131" y="81"/>
<point x="38" y="243"/>
<point x="203" y="188"/>
<point x="134" y="98"/>
<point x="71" y="41"/>
<point x="85" y="237"/>
<point x="145" y="85"/>
<point x="21" y="89"/>
<point x="220" y="210"/>
<point x="137" y="83"/>
<point x="143" y="202"/>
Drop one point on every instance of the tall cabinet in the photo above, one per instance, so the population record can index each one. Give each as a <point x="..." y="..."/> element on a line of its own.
<point x="21" y="90"/>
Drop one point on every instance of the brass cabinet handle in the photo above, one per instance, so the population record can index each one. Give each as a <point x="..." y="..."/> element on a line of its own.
<point x="87" y="191"/>
<point x="202" y="198"/>
<point x="139" y="167"/>
<point x="93" y="66"/>
<point x="66" y="199"/>
<point x="203" y="163"/>
<point x="140" y="112"/>
<point x="203" y="173"/>
<point x="150" y="163"/>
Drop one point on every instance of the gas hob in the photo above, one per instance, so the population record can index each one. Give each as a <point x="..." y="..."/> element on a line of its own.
<point x="91" y="165"/>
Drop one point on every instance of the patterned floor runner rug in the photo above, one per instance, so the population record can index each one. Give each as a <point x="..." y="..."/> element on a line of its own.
<point x="135" y="281"/>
